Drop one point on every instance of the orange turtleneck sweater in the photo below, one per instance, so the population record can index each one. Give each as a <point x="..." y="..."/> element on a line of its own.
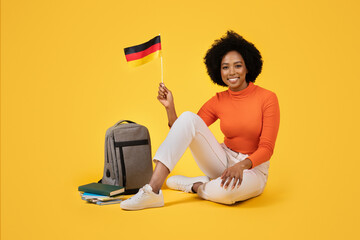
<point x="249" y="119"/>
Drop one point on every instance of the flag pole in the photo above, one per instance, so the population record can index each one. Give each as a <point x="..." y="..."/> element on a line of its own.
<point x="162" y="71"/>
<point x="162" y="67"/>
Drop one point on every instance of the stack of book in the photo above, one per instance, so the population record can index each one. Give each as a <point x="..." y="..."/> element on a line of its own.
<point x="101" y="194"/>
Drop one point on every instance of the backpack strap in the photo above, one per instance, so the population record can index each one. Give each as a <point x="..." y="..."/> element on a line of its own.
<point x="123" y="121"/>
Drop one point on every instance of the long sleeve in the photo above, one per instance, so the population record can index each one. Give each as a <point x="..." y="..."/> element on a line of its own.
<point x="270" y="127"/>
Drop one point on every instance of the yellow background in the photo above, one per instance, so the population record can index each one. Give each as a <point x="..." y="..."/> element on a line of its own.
<point x="64" y="81"/>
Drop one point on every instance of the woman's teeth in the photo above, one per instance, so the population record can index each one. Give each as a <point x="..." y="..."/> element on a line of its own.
<point x="233" y="80"/>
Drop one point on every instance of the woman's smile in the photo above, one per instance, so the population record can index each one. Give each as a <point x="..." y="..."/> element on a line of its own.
<point x="233" y="80"/>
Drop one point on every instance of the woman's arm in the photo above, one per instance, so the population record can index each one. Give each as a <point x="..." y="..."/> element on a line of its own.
<point x="166" y="99"/>
<point x="269" y="131"/>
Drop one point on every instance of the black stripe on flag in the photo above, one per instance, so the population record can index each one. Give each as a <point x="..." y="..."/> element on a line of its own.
<point x="142" y="47"/>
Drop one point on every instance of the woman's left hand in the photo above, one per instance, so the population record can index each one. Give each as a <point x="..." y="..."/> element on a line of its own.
<point x="235" y="172"/>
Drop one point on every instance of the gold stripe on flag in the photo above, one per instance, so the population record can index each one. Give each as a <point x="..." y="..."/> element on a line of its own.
<point x="144" y="60"/>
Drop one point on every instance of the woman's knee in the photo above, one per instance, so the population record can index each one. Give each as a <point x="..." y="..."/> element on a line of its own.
<point x="187" y="118"/>
<point x="187" y="115"/>
<point x="212" y="191"/>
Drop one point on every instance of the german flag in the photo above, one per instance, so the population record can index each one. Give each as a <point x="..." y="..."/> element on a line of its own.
<point x="143" y="53"/>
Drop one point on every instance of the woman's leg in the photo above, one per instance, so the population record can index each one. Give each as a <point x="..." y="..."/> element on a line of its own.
<point x="159" y="175"/>
<point x="252" y="185"/>
<point x="189" y="130"/>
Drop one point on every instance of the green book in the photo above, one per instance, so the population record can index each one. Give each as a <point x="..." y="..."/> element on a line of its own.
<point x="102" y="189"/>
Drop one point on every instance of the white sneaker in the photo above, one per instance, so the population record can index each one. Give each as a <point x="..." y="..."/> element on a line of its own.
<point x="183" y="183"/>
<point x="145" y="198"/>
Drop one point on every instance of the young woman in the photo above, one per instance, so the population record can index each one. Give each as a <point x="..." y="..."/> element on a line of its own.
<point x="237" y="169"/>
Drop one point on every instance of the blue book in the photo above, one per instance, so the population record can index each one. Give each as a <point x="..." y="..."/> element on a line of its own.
<point x="86" y="195"/>
<point x="108" y="202"/>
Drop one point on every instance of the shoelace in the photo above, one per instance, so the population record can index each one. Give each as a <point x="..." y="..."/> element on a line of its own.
<point x="139" y="194"/>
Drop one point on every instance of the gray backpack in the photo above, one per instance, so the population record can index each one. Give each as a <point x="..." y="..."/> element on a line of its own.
<point x="128" y="160"/>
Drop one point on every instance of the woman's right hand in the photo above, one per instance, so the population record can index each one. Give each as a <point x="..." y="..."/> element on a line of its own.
<point x="165" y="96"/>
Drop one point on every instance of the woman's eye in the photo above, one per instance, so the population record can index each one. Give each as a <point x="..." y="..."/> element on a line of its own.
<point x="225" y="68"/>
<point x="238" y="66"/>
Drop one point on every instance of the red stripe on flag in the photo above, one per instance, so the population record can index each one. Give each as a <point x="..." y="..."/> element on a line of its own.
<point x="138" y="55"/>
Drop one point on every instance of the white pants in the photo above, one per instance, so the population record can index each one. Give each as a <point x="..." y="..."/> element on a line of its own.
<point x="189" y="130"/>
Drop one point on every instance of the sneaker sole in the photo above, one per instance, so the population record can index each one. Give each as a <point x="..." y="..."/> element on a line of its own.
<point x="143" y="207"/>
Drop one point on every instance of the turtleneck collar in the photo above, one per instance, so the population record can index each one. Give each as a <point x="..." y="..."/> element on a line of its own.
<point x="243" y="93"/>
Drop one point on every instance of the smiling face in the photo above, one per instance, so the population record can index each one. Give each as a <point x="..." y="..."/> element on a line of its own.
<point x="233" y="71"/>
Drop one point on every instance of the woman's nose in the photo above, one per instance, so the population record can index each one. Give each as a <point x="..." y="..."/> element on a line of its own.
<point x="231" y="70"/>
